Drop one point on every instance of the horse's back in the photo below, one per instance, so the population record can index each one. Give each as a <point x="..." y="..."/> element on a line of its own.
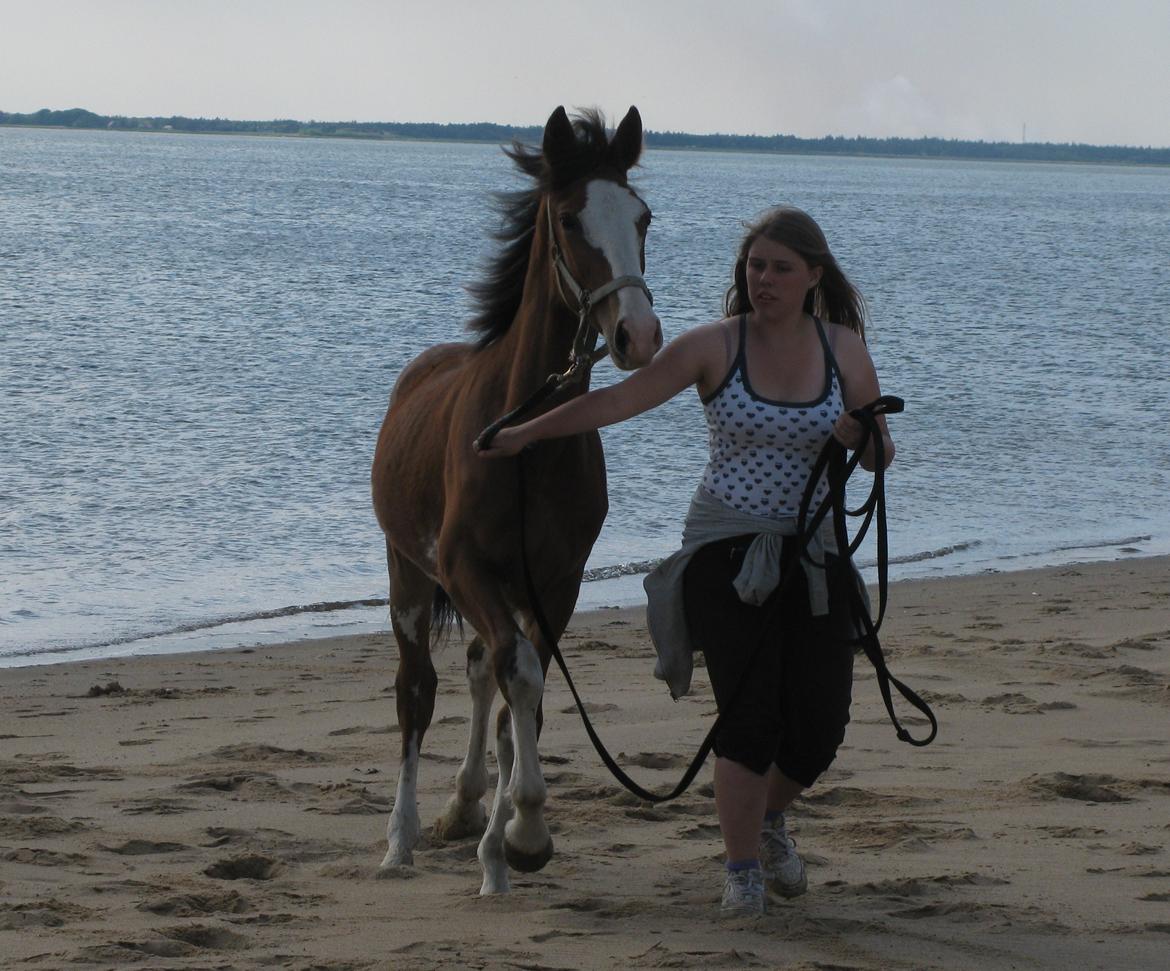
<point x="426" y="374"/>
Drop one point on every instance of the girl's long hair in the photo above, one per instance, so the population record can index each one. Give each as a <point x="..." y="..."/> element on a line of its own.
<point x="833" y="299"/>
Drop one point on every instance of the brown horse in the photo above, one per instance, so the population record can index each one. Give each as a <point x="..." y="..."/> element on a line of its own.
<point x="451" y="519"/>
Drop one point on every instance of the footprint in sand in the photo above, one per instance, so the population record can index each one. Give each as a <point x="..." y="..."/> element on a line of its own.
<point x="704" y="831"/>
<point x="850" y="796"/>
<point x="24" y="773"/>
<point x="1083" y="788"/>
<point x="656" y="760"/>
<point x="38" y="856"/>
<point x="907" y="835"/>
<point x="1015" y="703"/>
<point x="41" y="913"/>
<point x="921" y="886"/>
<point x="257" y="752"/>
<point x="35" y="827"/>
<point x="589" y="793"/>
<point x="591" y="708"/>
<point x="197" y="904"/>
<point x="1071" y="832"/>
<point x="140" y="847"/>
<point x="159" y="807"/>
<point x="205" y="938"/>
<point x="248" y="867"/>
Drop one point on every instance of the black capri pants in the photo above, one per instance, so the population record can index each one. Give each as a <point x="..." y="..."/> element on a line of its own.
<point x="793" y="706"/>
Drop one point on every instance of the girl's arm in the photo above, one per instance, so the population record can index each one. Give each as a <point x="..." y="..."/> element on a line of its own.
<point x="680" y="364"/>
<point x="861" y="387"/>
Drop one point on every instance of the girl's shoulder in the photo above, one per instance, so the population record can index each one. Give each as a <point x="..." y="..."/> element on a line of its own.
<point x="710" y="335"/>
<point x="710" y="350"/>
<point x="844" y="340"/>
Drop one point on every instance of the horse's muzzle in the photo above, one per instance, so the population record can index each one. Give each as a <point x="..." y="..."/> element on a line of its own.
<point x="636" y="342"/>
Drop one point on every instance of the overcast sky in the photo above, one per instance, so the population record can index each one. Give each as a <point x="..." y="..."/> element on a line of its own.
<point x="1070" y="70"/>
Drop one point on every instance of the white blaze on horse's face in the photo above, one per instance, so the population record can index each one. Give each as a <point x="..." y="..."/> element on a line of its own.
<point x="614" y="221"/>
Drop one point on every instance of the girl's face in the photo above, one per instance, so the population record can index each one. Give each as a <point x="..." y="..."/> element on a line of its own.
<point x="778" y="278"/>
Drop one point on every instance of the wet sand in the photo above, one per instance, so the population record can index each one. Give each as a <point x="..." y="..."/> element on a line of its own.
<point x="228" y="809"/>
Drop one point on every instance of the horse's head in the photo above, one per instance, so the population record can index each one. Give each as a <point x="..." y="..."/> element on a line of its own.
<point x="597" y="225"/>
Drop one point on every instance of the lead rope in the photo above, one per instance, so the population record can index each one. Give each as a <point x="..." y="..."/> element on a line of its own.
<point x="832" y="458"/>
<point x="839" y="470"/>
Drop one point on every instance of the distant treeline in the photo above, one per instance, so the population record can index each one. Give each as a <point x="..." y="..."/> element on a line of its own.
<point x="487" y="132"/>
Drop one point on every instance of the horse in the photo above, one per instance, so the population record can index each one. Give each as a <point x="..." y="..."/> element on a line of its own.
<point x="569" y="267"/>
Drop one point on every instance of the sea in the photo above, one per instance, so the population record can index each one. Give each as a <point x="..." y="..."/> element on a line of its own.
<point x="199" y="334"/>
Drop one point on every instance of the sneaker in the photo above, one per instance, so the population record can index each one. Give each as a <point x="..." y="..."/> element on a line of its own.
<point x="782" y="866"/>
<point x="743" y="893"/>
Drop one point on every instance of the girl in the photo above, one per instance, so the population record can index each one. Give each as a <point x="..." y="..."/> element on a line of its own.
<point x="777" y="376"/>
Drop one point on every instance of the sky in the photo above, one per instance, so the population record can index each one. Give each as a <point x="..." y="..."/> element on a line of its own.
<point x="1050" y="70"/>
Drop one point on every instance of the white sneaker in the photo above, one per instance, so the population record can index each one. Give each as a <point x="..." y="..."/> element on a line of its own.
<point x="782" y="866"/>
<point x="743" y="893"/>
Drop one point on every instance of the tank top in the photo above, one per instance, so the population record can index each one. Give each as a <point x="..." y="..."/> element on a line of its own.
<point x="762" y="451"/>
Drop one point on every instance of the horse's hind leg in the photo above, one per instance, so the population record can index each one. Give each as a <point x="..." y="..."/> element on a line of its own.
<point x="411" y="596"/>
<point x="464" y="814"/>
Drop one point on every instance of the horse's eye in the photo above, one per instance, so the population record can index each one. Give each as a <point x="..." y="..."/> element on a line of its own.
<point x="569" y="222"/>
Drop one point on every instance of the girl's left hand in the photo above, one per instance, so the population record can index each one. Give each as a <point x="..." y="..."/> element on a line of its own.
<point x="849" y="431"/>
<point x="507" y="442"/>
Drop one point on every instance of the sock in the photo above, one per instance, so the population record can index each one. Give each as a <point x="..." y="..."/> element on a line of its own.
<point x="742" y="865"/>
<point x="773" y="817"/>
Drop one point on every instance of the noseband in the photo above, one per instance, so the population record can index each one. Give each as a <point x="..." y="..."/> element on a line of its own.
<point x="583" y="355"/>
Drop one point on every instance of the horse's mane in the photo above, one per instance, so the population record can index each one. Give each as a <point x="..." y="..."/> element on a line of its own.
<point x="497" y="293"/>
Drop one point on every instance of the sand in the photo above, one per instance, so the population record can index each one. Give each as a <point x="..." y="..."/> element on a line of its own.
<point x="228" y="809"/>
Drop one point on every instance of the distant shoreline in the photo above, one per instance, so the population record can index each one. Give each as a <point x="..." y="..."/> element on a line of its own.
<point x="490" y="133"/>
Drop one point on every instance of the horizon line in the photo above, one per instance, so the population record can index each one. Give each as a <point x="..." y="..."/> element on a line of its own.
<point x="539" y="127"/>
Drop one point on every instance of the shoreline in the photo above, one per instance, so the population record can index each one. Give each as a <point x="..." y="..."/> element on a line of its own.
<point x="299" y="623"/>
<point x="228" y="807"/>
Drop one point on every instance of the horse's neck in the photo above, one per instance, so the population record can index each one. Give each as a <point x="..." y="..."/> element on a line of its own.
<point x="541" y="337"/>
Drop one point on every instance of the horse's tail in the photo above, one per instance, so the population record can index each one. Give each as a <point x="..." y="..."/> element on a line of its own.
<point x="443" y="613"/>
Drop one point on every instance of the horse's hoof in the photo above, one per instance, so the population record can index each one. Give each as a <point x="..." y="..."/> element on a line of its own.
<point x="459" y="821"/>
<point x="397" y="856"/>
<point x="526" y="862"/>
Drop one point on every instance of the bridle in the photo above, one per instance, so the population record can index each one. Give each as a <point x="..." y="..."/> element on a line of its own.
<point x="583" y="355"/>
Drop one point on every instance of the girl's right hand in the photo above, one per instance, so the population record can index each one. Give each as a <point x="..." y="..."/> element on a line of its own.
<point x="506" y="443"/>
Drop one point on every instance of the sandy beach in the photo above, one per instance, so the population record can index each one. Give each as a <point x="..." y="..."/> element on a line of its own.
<point x="227" y="810"/>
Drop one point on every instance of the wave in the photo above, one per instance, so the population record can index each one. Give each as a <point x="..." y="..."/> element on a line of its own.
<point x="195" y="626"/>
<point x="934" y="554"/>
<point x="323" y="607"/>
<point x="609" y="572"/>
<point x="1125" y="541"/>
<point x="620" y="570"/>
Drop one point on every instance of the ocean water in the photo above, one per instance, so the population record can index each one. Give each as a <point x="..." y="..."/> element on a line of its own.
<point x="198" y="336"/>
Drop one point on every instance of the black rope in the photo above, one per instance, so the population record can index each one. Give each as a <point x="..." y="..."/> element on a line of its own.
<point x="832" y="460"/>
<point x="552" y="384"/>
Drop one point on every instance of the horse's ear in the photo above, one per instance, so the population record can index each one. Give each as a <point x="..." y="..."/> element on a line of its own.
<point x="560" y="141"/>
<point x="626" y="146"/>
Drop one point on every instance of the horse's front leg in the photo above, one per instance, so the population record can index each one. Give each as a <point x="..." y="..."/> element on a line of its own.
<point x="464" y="815"/>
<point x="520" y="674"/>
<point x="516" y="833"/>
<point x="491" y="847"/>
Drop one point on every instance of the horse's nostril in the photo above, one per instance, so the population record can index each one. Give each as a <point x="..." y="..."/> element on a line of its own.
<point x="658" y="336"/>
<point x="621" y="340"/>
